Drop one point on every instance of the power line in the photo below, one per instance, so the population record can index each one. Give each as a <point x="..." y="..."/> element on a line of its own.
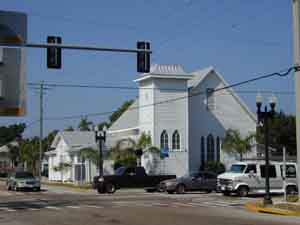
<point x="280" y="74"/>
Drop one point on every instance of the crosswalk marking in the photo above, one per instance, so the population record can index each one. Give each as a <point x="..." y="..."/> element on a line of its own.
<point x="119" y="204"/>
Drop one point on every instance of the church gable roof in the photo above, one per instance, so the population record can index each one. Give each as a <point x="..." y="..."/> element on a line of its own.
<point x="128" y="120"/>
<point x="200" y="75"/>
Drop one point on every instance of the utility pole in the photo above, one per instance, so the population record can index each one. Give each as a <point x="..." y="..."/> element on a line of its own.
<point x="41" y="127"/>
<point x="296" y="28"/>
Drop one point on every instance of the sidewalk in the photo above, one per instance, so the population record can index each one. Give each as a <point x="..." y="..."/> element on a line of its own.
<point x="279" y="207"/>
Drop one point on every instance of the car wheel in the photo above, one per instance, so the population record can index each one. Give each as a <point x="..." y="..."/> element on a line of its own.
<point x="170" y="192"/>
<point x="16" y="188"/>
<point x="291" y="190"/>
<point x="208" y="191"/>
<point x="243" y="191"/>
<point x="180" y="189"/>
<point x="110" y="188"/>
<point x="8" y="187"/>
<point x="38" y="189"/>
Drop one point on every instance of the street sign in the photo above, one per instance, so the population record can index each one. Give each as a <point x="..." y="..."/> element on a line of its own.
<point x="164" y="153"/>
<point x="13" y="31"/>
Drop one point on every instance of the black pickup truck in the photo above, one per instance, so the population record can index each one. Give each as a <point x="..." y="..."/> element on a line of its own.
<point x="129" y="177"/>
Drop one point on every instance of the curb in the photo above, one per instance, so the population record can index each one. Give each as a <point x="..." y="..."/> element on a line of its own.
<point x="74" y="188"/>
<point x="255" y="207"/>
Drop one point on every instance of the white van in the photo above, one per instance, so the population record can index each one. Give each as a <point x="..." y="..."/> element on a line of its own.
<point x="249" y="177"/>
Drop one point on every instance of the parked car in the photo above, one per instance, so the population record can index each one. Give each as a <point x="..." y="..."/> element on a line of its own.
<point x="22" y="180"/>
<point x="200" y="181"/>
<point x="129" y="177"/>
<point x="249" y="177"/>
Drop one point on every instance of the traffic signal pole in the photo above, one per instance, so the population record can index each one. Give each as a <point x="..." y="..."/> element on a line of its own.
<point x="74" y="47"/>
<point x="296" y="28"/>
<point x="41" y="128"/>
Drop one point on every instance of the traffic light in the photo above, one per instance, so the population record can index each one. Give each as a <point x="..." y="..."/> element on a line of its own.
<point x="54" y="54"/>
<point x="143" y="58"/>
<point x="13" y="31"/>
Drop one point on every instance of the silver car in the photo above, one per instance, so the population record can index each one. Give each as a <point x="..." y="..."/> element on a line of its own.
<point x="200" y="181"/>
<point x="22" y="180"/>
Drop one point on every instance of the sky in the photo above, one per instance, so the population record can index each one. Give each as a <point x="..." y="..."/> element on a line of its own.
<point x="240" y="39"/>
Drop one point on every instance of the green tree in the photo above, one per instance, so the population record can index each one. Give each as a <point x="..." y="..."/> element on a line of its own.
<point x="14" y="153"/>
<point x="235" y="143"/>
<point x="11" y="133"/>
<point x="49" y="139"/>
<point x="282" y="132"/>
<point x="30" y="153"/>
<point x="84" y="124"/>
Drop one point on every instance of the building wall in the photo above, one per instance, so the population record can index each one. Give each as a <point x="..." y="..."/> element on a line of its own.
<point x="228" y="113"/>
<point x="61" y="156"/>
<point x="146" y="114"/>
<point x="170" y="117"/>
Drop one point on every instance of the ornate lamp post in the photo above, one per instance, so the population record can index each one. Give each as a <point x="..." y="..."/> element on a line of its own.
<point x="100" y="137"/>
<point x="263" y="118"/>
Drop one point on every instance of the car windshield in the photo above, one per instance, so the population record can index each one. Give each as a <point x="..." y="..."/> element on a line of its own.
<point x="120" y="171"/>
<point x="237" y="168"/>
<point x="24" y="175"/>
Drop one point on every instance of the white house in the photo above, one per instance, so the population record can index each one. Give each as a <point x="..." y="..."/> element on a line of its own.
<point x="66" y="147"/>
<point x="181" y="113"/>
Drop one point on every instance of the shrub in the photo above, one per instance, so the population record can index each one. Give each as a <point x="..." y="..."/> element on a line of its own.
<point x="213" y="166"/>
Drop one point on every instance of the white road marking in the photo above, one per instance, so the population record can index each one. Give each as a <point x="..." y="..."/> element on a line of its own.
<point x="159" y="204"/>
<point x="8" y="209"/>
<point x="95" y="206"/>
<point x="52" y="207"/>
<point x="183" y="204"/>
<point x="33" y="209"/>
<point x="73" y="207"/>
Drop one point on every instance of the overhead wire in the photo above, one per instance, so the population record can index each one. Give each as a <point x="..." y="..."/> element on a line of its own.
<point x="280" y="74"/>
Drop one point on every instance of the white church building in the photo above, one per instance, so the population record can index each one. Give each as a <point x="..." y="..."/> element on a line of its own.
<point x="181" y="113"/>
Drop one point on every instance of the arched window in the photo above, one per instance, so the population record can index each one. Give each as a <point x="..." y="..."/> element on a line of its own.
<point x="210" y="148"/>
<point x="218" y="149"/>
<point x="164" y="140"/>
<point x="176" y="140"/>
<point x="202" y="150"/>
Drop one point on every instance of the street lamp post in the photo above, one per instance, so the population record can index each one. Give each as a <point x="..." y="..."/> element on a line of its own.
<point x="100" y="137"/>
<point x="263" y="117"/>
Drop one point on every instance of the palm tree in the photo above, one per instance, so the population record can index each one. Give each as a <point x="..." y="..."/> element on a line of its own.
<point x="14" y="154"/>
<point x="235" y="143"/>
<point x="127" y="155"/>
<point x="92" y="155"/>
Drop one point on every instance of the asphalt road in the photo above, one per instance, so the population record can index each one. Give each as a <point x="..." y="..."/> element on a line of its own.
<point x="62" y="206"/>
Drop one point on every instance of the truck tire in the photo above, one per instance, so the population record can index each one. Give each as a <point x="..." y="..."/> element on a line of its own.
<point x="101" y="189"/>
<point x="170" y="192"/>
<point x="243" y="191"/>
<point x="180" y="189"/>
<point x="110" y="188"/>
<point x="226" y="193"/>
<point x="291" y="190"/>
